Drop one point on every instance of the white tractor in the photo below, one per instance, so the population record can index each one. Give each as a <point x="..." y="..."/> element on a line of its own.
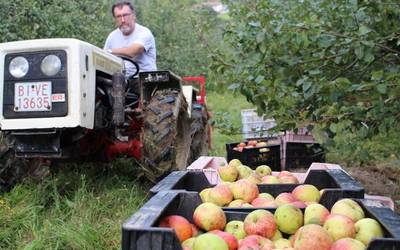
<point x="68" y="99"/>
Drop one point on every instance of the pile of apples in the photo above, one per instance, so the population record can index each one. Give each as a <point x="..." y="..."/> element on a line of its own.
<point x="344" y="227"/>
<point x="251" y="144"/>
<point x="235" y="170"/>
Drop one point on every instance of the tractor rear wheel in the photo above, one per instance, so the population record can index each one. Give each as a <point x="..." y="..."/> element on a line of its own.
<point x="198" y="132"/>
<point x="166" y="134"/>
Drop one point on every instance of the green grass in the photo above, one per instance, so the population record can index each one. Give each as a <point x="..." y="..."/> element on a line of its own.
<point x="76" y="208"/>
<point x="83" y="206"/>
<point x="225" y="109"/>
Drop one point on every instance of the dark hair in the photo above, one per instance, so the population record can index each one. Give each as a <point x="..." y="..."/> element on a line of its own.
<point x="121" y="4"/>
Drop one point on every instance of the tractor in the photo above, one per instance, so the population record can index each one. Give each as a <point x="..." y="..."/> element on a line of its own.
<point x="68" y="99"/>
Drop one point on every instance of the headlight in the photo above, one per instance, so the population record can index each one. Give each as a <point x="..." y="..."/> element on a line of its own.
<point x="51" y="65"/>
<point x="19" y="66"/>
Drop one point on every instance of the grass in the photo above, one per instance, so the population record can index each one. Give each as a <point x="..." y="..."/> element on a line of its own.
<point x="83" y="206"/>
<point x="226" y="119"/>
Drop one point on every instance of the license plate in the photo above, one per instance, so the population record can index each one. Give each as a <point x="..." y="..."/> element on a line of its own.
<point x="33" y="96"/>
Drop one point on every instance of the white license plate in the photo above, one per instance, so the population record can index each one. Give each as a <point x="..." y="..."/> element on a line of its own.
<point x="33" y="96"/>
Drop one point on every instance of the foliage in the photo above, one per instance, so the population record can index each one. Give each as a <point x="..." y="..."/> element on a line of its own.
<point x="30" y="19"/>
<point x="332" y="65"/>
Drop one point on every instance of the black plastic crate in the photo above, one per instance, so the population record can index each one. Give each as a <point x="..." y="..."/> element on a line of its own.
<point x="254" y="157"/>
<point x="301" y="155"/>
<point x="336" y="182"/>
<point x="141" y="231"/>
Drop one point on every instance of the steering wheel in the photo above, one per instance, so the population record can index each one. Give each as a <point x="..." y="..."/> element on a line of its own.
<point x="134" y="64"/>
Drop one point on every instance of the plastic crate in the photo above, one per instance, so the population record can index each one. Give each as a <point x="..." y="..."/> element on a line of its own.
<point x="254" y="157"/>
<point x="300" y="155"/>
<point x="336" y="182"/>
<point x="140" y="231"/>
<point x="254" y="126"/>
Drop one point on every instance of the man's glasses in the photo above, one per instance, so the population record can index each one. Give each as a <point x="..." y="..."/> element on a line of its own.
<point x="126" y="15"/>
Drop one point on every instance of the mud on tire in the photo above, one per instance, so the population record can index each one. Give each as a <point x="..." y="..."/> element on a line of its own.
<point x="198" y="132"/>
<point x="166" y="134"/>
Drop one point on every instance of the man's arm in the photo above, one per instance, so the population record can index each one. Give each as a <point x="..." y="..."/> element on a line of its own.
<point x="131" y="51"/>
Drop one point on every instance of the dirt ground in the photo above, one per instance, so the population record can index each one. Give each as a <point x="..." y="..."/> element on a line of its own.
<point x="379" y="180"/>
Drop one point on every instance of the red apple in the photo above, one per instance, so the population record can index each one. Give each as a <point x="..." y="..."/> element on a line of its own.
<point x="348" y="244"/>
<point x="260" y="222"/>
<point x="284" y="198"/>
<point x="220" y="195"/>
<point x="255" y="242"/>
<point x="244" y="190"/>
<point x="288" y="179"/>
<point x="228" y="238"/>
<point x="263" y="202"/>
<point x="195" y="230"/>
<point x="312" y="236"/>
<point x="209" y="216"/>
<point x="180" y="224"/>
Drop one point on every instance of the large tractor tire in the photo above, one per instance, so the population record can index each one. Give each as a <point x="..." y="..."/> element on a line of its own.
<point x="198" y="132"/>
<point x="166" y="134"/>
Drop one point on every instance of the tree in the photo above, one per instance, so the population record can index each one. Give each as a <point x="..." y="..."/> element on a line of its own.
<point x="331" y="65"/>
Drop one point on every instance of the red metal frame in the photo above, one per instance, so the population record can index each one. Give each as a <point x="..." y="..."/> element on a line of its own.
<point x="201" y="80"/>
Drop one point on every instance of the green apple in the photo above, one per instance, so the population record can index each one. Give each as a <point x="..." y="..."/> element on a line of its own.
<point x="244" y="171"/>
<point x="282" y="243"/>
<point x="306" y="192"/>
<point x="315" y="214"/>
<point x="339" y="226"/>
<point x="234" y="163"/>
<point x="289" y="218"/>
<point x="209" y="241"/>
<point x="348" y="207"/>
<point x="263" y="170"/>
<point x="367" y="229"/>
<point x="204" y="194"/>
<point x="236" y="228"/>
<point x="228" y="173"/>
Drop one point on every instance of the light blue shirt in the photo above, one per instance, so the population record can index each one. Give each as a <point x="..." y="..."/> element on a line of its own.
<point x="141" y="35"/>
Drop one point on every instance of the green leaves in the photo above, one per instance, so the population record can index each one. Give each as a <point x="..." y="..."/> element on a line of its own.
<point x="317" y="55"/>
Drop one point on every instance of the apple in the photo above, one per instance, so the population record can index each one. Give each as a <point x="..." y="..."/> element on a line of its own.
<point x="270" y="179"/>
<point x="260" y="222"/>
<point x="220" y="195"/>
<point x="284" y="198"/>
<point x="228" y="173"/>
<point x="248" y="205"/>
<point x="348" y="244"/>
<point x="180" y="224"/>
<point x="298" y="204"/>
<point x="339" y="226"/>
<point x="236" y="203"/>
<point x="288" y="179"/>
<point x="348" y="207"/>
<point x="254" y="178"/>
<point x="195" y="230"/>
<point x="367" y="229"/>
<point x="242" y="144"/>
<point x="204" y="194"/>
<point x="277" y="235"/>
<point x="284" y="173"/>
<point x="240" y="149"/>
<point x="188" y="243"/>
<point x="235" y="163"/>
<point x="282" y="244"/>
<point x="306" y="192"/>
<point x="209" y="216"/>
<point x="236" y="228"/>
<point x="252" y="143"/>
<point x="244" y="171"/>
<point x="312" y="236"/>
<point x="231" y="240"/>
<point x="266" y="196"/>
<point x="244" y="190"/>
<point x="315" y="214"/>
<point x="255" y="242"/>
<point x="263" y="202"/>
<point x="289" y="218"/>
<point x="263" y="170"/>
<point x="261" y="144"/>
<point x="210" y="241"/>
